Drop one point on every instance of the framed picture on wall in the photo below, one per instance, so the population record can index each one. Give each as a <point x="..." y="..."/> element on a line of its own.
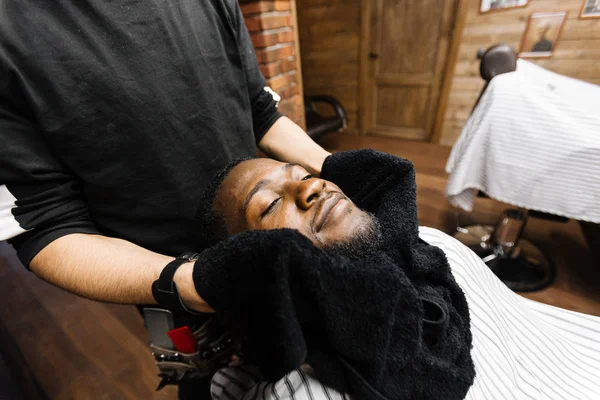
<point x="497" y="5"/>
<point x="542" y="33"/>
<point x="590" y="9"/>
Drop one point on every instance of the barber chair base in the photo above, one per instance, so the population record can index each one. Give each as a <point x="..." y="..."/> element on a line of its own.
<point x="526" y="269"/>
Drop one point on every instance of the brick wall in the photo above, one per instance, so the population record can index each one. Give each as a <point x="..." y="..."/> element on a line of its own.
<point x="272" y="26"/>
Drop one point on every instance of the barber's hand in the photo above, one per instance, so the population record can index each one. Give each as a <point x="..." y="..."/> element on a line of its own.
<point x="256" y="245"/>
<point x="239" y="259"/>
<point x="365" y="175"/>
<point x="185" y="285"/>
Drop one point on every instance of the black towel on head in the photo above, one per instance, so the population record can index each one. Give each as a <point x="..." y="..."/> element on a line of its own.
<point x="394" y="325"/>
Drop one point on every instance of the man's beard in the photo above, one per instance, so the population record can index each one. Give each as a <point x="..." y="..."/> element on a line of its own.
<point x="365" y="241"/>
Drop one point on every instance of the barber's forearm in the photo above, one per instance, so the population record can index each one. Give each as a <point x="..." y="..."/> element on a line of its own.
<point x="105" y="269"/>
<point x="286" y="141"/>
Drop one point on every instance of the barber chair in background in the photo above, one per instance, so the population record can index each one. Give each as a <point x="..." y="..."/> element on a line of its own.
<point x="515" y="260"/>
<point x="318" y="124"/>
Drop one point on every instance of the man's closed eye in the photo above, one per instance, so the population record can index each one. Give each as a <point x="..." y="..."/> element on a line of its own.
<point x="272" y="205"/>
<point x="270" y="208"/>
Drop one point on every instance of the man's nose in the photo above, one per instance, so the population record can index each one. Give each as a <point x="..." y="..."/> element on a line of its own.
<point x="309" y="192"/>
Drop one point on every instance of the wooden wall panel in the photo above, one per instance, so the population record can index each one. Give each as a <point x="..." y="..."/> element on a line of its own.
<point x="577" y="53"/>
<point x="329" y="44"/>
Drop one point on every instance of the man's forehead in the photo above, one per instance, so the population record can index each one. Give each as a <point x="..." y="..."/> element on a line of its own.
<point x="254" y="170"/>
<point x="248" y="173"/>
<point x="240" y="182"/>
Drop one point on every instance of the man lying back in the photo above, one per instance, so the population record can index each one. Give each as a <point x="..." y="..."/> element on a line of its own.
<point x="334" y="274"/>
<point x="261" y="194"/>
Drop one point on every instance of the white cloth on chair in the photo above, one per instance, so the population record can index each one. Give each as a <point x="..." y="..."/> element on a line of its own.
<point x="532" y="141"/>
<point x="522" y="349"/>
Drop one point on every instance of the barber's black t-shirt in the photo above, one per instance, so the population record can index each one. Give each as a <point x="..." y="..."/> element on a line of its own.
<point x="115" y="114"/>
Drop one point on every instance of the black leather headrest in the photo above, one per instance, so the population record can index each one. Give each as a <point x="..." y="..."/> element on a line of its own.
<point x="498" y="59"/>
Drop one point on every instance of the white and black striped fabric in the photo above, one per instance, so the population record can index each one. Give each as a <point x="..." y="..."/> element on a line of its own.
<point x="532" y="141"/>
<point x="522" y="349"/>
<point x="245" y="383"/>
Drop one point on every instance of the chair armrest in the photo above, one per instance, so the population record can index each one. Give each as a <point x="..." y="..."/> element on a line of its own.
<point x="310" y="101"/>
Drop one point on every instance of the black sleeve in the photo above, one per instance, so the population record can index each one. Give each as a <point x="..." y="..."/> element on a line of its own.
<point x="40" y="200"/>
<point x="263" y="102"/>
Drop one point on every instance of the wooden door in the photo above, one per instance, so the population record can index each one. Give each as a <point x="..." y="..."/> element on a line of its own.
<point x="404" y="52"/>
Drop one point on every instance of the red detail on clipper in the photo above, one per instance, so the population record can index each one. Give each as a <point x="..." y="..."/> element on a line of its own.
<point x="183" y="339"/>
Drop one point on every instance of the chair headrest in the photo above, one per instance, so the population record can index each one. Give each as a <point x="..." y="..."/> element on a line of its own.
<point x="498" y="59"/>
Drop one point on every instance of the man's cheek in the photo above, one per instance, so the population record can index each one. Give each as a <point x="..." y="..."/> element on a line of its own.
<point x="284" y="220"/>
<point x="304" y="228"/>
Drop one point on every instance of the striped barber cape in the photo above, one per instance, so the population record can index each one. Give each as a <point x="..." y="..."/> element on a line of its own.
<point x="522" y="349"/>
<point x="533" y="141"/>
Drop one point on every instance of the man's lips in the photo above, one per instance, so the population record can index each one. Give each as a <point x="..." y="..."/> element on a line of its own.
<point x="325" y="208"/>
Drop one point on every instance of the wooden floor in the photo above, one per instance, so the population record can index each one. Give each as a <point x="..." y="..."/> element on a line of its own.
<point x="79" y="349"/>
